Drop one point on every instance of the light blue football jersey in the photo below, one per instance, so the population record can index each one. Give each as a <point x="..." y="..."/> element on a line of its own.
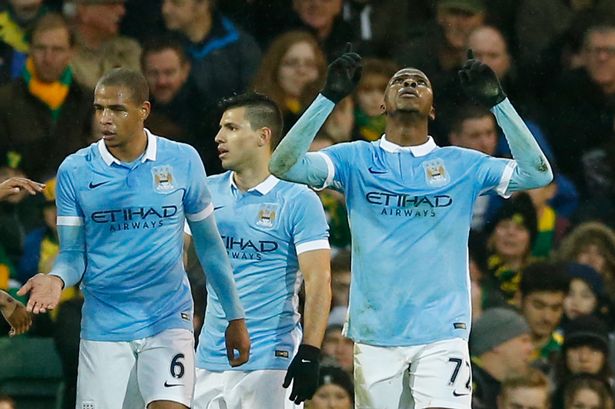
<point x="410" y="210"/>
<point x="134" y="284"/>
<point x="263" y="229"/>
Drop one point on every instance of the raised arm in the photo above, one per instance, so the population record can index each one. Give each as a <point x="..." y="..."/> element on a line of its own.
<point x="291" y="160"/>
<point x="481" y="84"/>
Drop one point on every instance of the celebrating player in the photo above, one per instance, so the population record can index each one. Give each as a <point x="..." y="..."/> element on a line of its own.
<point x="409" y="203"/>
<point x="122" y="203"/>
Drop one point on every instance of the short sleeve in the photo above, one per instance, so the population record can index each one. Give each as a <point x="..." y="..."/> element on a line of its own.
<point x="197" y="200"/>
<point x="339" y="158"/>
<point x="67" y="202"/>
<point x="494" y="174"/>
<point x="310" y="228"/>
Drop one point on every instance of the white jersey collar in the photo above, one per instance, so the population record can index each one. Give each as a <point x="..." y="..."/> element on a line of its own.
<point x="150" y="150"/>
<point x="417" y="150"/>
<point x="263" y="188"/>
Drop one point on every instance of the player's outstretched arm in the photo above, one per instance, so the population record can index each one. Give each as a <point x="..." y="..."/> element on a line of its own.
<point x="15" y="313"/>
<point x="481" y="84"/>
<point x="212" y="255"/>
<point x="304" y="369"/>
<point x="13" y="186"/>
<point x="69" y="266"/>
<point x="290" y="160"/>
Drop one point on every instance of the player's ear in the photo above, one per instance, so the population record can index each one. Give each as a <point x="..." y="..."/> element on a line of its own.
<point x="146" y="107"/>
<point x="264" y="136"/>
<point x="432" y="113"/>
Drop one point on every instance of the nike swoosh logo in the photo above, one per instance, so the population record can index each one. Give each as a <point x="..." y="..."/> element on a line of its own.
<point x="170" y="385"/>
<point x="377" y="172"/>
<point x="218" y="207"/>
<point x="455" y="393"/>
<point x="95" y="185"/>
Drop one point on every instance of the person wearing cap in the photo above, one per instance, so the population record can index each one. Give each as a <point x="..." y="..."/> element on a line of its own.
<point x="501" y="347"/>
<point x="543" y="288"/>
<point x="99" y="47"/>
<point x="586" y="295"/>
<point x="335" y="390"/>
<point x="585" y="351"/>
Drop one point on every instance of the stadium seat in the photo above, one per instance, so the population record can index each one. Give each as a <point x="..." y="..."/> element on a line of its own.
<point x="30" y="371"/>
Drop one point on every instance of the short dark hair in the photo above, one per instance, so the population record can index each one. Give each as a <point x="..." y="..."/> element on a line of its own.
<point x="469" y="111"/>
<point x="544" y="276"/>
<point x="52" y="21"/>
<point x="162" y="43"/>
<point x="261" y="111"/>
<point x="131" y="79"/>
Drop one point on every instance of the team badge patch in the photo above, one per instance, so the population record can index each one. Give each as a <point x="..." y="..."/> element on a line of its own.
<point x="163" y="178"/>
<point x="435" y="173"/>
<point x="267" y="215"/>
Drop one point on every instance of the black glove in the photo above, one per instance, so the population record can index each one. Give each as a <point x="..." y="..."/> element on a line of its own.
<point x="480" y="83"/>
<point x="343" y="75"/>
<point x="303" y="371"/>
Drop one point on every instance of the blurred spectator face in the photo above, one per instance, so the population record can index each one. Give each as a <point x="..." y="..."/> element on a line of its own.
<point x="540" y="196"/>
<point x="165" y="74"/>
<point x="103" y="17"/>
<point x="7" y="405"/>
<point x="25" y="10"/>
<point x="297" y="69"/>
<point x="341" y="121"/>
<point x="592" y="256"/>
<point x="458" y="24"/>
<point x="584" y="359"/>
<point x="511" y="239"/>
<point x="543" y="311"/>
<point x="318" y="14"/>
<point x="341" y="287"/>
<point x="179" y="14"/>
<point x="51" y="53"/>
<point x="514" y="354"/>
<point x="340" y="348"/>
<point x="580" y="300"/>
<point x="477" y="133"/>
<point x="490" y="47"/>
<point x="586" y="399"/>
<point x="599" y="53"/>
<point x="370" y="94"/>
<point x="331" y="396"/>
<point x="320" y="143"/>
<point x="524" y="398"/>
<point x="330" y="341"/>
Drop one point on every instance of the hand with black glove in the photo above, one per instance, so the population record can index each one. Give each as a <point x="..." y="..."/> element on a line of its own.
<point x="343" y="75"/>
<point x="480" y="83"/>
<point x="303" y="371"/>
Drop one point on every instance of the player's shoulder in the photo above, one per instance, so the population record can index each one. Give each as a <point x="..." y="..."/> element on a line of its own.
<point x="175" y="151"/>
<point x="293" y="191"/>
<point x="350" y="148"/>
<point x="77" y="160"/>
<point x="218" y="179"/>
<point x="459" y="152"/>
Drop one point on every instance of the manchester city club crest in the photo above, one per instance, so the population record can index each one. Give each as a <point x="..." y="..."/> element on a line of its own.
<point x="163" y="178"/>
<point x="435" y="173"/>
<point x="267" y="215"/>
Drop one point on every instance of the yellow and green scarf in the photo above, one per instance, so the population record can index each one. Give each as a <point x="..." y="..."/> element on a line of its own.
<point x="51" y="94"/>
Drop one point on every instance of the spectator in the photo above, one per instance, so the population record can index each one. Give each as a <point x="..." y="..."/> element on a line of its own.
<point x="586" y="295"/>
<point x="593" y="244"/>
<point x="6" y="402"/>
<point x="99" y="47"/>
<point x="543" y="288"/>
<point x="528" y="391"/>
<point x="584" y="391"/>
<point x="585" y="351"/>
<point x="177" y="109"/>
<point x="337" y="349"/>
<point x="369" y="98"/>
<point x="511" y="234"/>
<point x="335" y="390"/>
<point x="16" y="20"/>
<point x="324" y="20"/>
<point x="45" y="115"/>
<point x="340" y="284"/>
<point x="224" y="58"/>
<point x="500" y="347"/>
<point x="293" y="61"/>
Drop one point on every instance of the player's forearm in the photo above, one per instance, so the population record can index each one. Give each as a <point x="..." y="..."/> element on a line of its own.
<point x="214" y="260"/>
<point x="289" y="160"/>
<point x="70" y="262"/>
<point x="533" y="169"/>
<point x="317" y="307"/>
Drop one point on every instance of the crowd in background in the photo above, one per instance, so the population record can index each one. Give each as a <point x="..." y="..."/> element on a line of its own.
<point x="542" y="263"/>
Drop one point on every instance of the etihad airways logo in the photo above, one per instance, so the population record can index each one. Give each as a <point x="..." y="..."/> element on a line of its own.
<point x="134" y="217"/>
<point x="396" y="204"/>
<point x="245" y="249"/>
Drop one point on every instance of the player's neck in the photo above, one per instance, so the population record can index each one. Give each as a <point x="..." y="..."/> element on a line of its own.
<point x="406" y="132"/>
<point x="250" y="176"/>
<point x="131" y="150"/>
